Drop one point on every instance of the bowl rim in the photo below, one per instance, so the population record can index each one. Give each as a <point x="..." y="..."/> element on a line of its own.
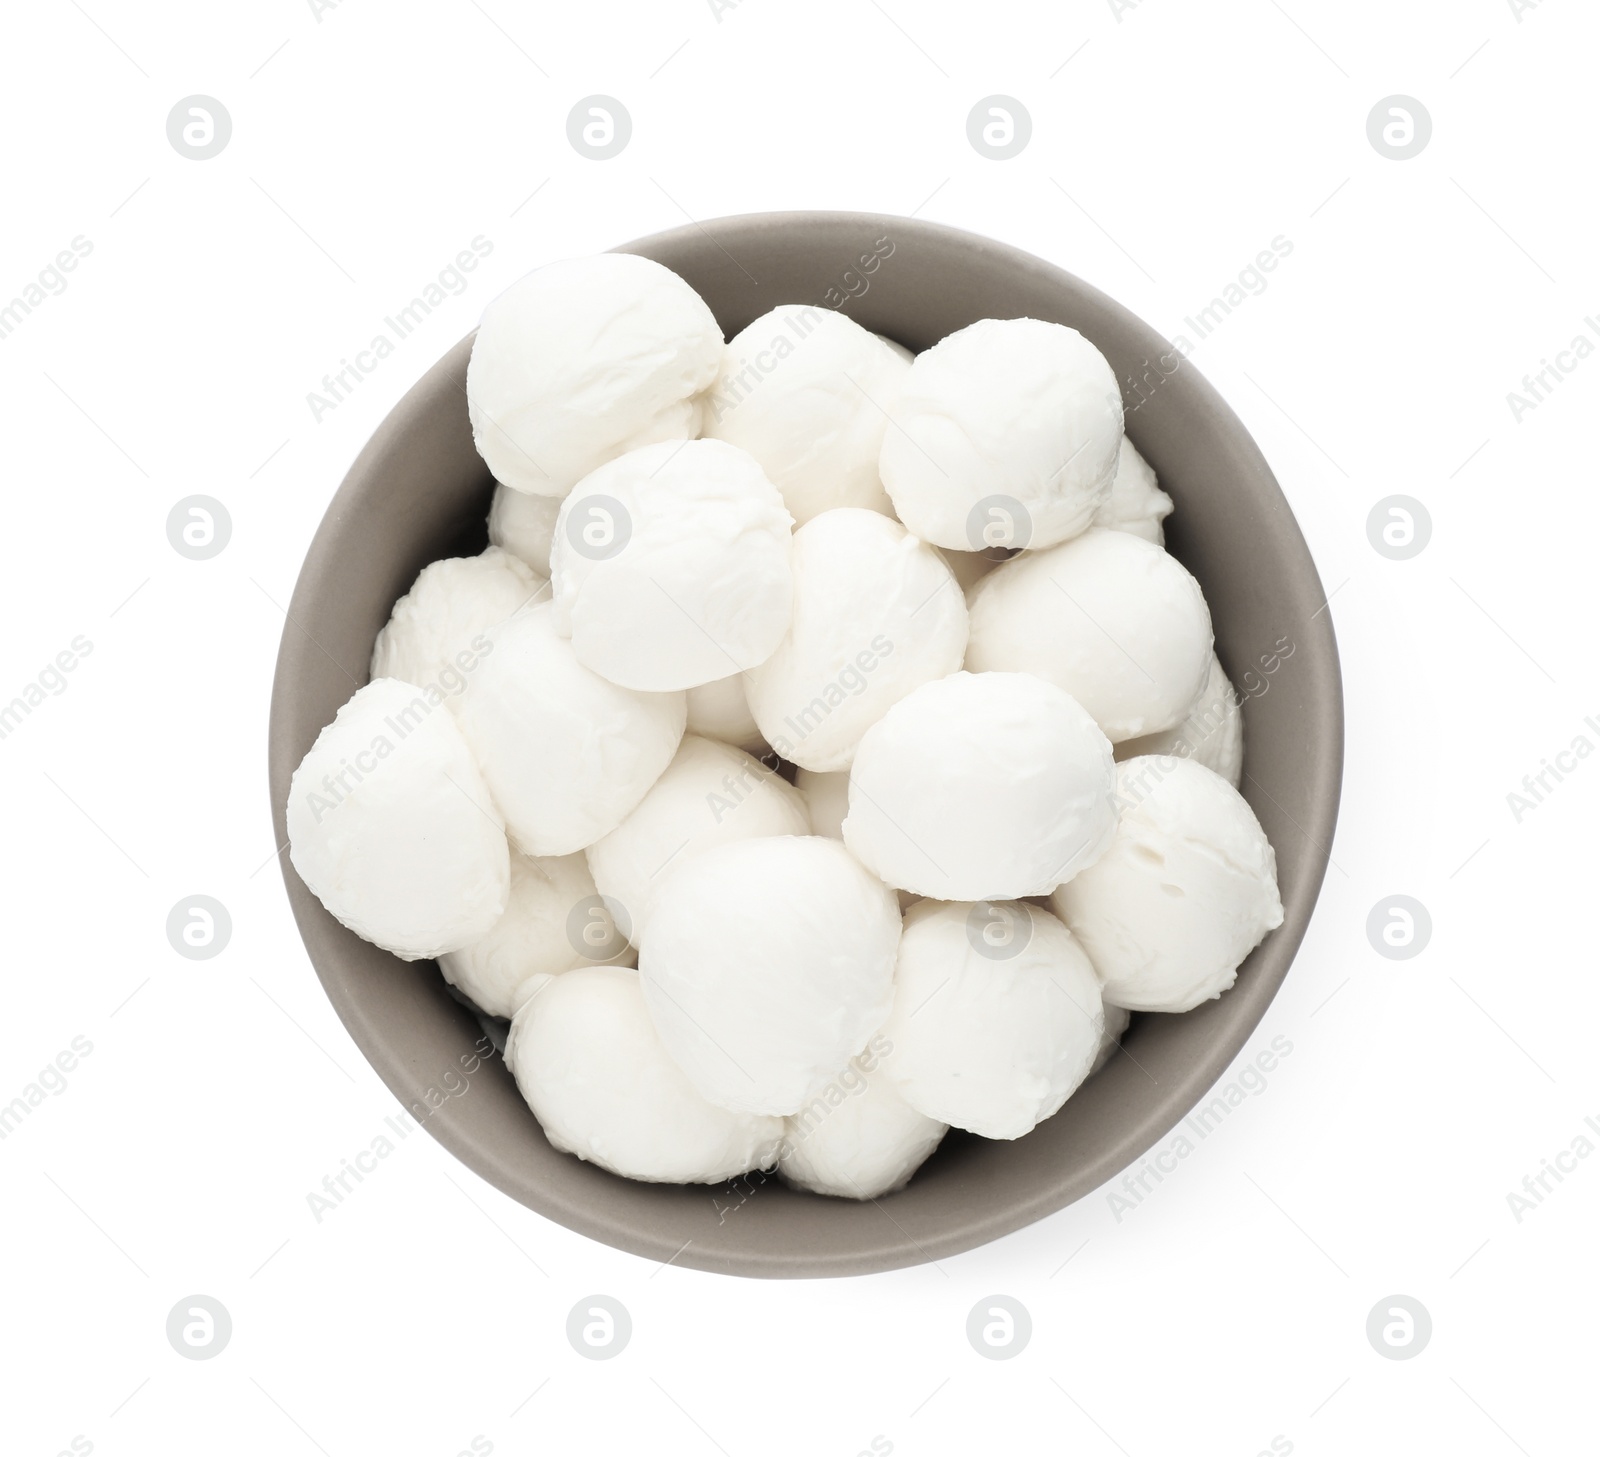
<point x="1323" y="758"/>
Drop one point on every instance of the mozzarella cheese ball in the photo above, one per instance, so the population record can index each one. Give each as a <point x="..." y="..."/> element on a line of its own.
<point x="1212" y="734"/>
<point x="583" y="360"/>
<point x="827" y="799"/>
<point x="805" y="391"/>
<point x="981" y="785"/>
<point x="438" y="631"/>
<point x="1010" y="411"/>
<point x="858" y="1139"/>
<point x="766" y="966"/>
<point x="546" y="928"/>
<point x="1188" y="888"/>
<point x="392" y="827"/>
<point x="567" y="753"/>
<point x="671" y="566"/>
<point x="711" y="794"/>
<point x="1116" y="622"/>
<point x="1117" y="1019"/>
<point x="719" y="710"/>
<point x="600" y="1083"/>
<point x="991" y="1038"/>
<point x="523" y="525"/>
<point x="1136" y="504"/>
<point x="876" y="614"/>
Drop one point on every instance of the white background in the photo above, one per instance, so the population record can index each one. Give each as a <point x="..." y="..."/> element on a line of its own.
<point x="1170" y="145"/>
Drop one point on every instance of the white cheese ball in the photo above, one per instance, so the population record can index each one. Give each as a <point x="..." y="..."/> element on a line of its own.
<point x="1010" y="411"/>
<point x="583" y="360"/>
<point x="981" y="785"/>
<point x="1212" y="734"/>
<point x="671" y="568"/>
<point x="438" y="632"/>
<point x="719" y="710"/>
<point x="858" y="1138"/>
<point x="523" y="525"/>
<point x="392" y="827"/>
<point x="827" y="799"/>
<point x="711" y="794"/>
<point x="591" y="1067"/>
<point x="549" y="926"/>
<point x="567" y="753"/>
<point x="806" y="390"/>
<point x="1187" y="890"/>
<point x="1136" y="504"/>
<point x="766" y="966"/>
<point x="1116" y="622"/>
<point x="876" y="614"/>
<point x="989" y="1036"/>
<point x="1117" y="1019"/>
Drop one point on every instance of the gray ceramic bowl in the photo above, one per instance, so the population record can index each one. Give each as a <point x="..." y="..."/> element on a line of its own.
<point x="419" y="491"/>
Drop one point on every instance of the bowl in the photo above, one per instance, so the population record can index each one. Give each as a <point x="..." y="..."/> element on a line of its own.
<point x="419" y="491"/>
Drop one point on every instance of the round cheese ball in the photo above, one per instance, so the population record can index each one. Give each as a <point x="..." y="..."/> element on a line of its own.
<point x="1008" y="425"/>
<point x="991" y="1033"/>
<point x="591" y="1067"/>
<point x="438" y="631"/>
<point x="1212" y="734"/>
<point x="805" y="391"/>
<point x="719" y="710"/>
<point x="549" y="926"/>
<point x="671" y="566"/>
<point x="1116" y="622"/>
<point x="858" y="1139"/>
<point x="567" y="753"/>
<point x="981" y="785"/>
<point x="1136" y="504"/>
<point x="766" y="966"/>
<point x="583" y="360"/>
<point x="827" y="799"/>
<point x="392" y="828"/>
<point x="1188" y="888"/>
<point x="876" y="614"/>
<point x="1117" y="1019"/>
<point x="711" y="794"/>
<point x="523" y="525"/>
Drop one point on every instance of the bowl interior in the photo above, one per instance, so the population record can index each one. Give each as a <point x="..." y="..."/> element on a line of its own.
<point x="419" y="491"/>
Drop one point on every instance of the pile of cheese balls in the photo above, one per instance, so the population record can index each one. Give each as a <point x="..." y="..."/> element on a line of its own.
<point x="825" y="753"/>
